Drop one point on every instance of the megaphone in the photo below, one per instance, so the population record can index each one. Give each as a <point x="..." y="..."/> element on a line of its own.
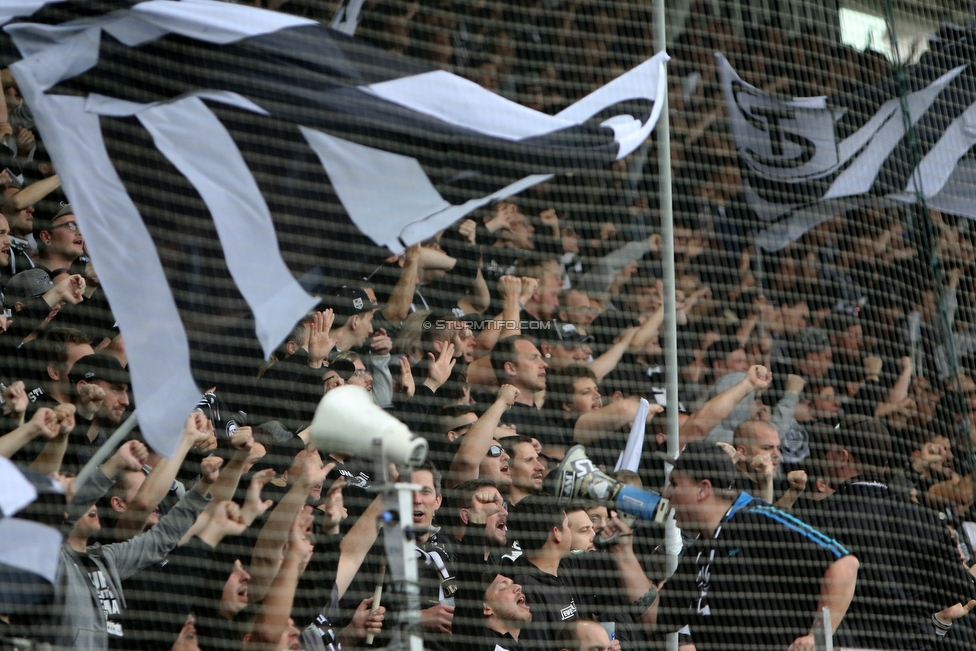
<point x="347" y="420"/>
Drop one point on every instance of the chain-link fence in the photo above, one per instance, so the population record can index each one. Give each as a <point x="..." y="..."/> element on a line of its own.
<point x="454" y="207"/>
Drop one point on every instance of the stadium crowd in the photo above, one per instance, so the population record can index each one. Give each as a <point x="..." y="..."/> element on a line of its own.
<point x="825" y="416"/>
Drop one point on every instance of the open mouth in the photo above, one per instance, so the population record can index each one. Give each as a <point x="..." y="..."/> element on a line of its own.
<point x="242" y="594"/>
<point x="418" y="516"/>
<point x="504" y="470"/>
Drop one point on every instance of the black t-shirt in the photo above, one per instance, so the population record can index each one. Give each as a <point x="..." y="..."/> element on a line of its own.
<point x="530" y="421"/>
<point x="490" y="640"/>
<point x="553" y="599"/>
<point x="755" y="585"/>
<point x="93" y="316"/>
<point x="867" y="399"/>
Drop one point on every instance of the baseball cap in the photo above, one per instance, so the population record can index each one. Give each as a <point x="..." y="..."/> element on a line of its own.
<point x="26" y="285"/>
<point x="562" y="332"/>
<point x="706" y="460"/>
<point x="66" y="209"/>
<point x="98" y="366"/>
<point x="347" y="301"/>
<point x="344" y="367"/>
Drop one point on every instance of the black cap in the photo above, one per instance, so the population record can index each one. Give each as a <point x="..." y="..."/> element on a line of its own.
<point x="26" y="285"/>
<point x="706" y="460"/>
<point x="344" y="367"/>
<point x="99" y="366"/>
<point x="347" y="301"/>
<point x="866" y="438"/>
<point x="561" y="332"/>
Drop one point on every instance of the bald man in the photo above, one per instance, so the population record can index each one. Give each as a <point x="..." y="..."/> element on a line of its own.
<point x="585" y="635"/>
<point x="757" y="457"/>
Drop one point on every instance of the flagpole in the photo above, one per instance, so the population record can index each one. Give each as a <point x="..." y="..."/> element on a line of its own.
<point x="670" y="321"/>
<point x="106" y="450"/>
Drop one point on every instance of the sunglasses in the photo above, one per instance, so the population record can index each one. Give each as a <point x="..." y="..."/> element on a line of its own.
<point x="495" y="451"/>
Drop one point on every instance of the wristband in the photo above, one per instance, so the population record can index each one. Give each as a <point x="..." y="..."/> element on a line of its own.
<point x="645" y="602"/>
<point x="941" y="628"/>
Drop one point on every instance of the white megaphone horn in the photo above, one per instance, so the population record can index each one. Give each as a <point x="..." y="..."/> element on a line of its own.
<point x="347" y="420"/>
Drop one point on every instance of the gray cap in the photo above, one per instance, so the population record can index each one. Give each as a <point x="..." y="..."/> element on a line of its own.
<point x="26" y="285"/>
<point x="66" y="209"/>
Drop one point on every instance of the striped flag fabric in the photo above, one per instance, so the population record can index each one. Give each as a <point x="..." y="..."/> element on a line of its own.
<point x="807" y="159"/>
<point x="220" y="158"/>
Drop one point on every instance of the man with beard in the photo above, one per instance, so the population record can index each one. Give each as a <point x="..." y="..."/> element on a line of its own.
<point x="105" y="372"/>
<point x="59" y="242"/>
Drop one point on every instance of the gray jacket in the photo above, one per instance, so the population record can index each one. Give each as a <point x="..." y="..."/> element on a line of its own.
<point x="77" y="619"/>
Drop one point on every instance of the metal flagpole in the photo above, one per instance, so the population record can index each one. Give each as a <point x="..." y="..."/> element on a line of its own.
<point x="671" y="329"/>
<point x="106" y="450"/>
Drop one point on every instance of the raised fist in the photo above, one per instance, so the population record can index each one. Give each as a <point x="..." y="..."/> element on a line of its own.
<point x="15" y="397"/>
<point x="242" y="440"/>
<point x="872" y="365"/>
<point x="210" y="469"/>
<point x="509" y="287"/>
<point x="133" y="455"/>
<point x="508" y="394"/>
<point x="759" y="377"/>
<point x="797" y="480"/>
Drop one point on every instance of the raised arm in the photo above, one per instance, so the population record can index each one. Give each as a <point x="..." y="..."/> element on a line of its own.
<point x="398" y="306"/>
<point x="474" y="445"/>
<point x="718" y="408"/>
<point x="33" y="193"/>
<point x="44" y="424"/>
<point x="148" y="548"/>
<point x="356" y="544"/>
<point x="49" y="460"/>
<point x="510" y="288"/>
<point x="272" y="619"/>
<point x="648" y="329"/>
<point x="197" y="430"/>
<point x="274" y="534"/>
<point x="608" y="360"/>
<point x="596" y="425"/>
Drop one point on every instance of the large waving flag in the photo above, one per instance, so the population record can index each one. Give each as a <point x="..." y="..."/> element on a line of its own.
<point x="805" y="160"/>
<point x="216" y="155"/>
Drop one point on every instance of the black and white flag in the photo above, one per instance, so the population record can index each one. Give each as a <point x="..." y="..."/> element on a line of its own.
<point x="215" y="154"/>
<point x="805" y="160"/>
